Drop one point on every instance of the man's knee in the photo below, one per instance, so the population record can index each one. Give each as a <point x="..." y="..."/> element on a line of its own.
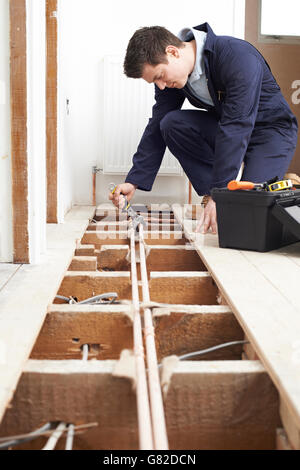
<point x="169" y="122"/>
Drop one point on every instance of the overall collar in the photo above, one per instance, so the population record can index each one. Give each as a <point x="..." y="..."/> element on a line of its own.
<point x="210" y="38"/>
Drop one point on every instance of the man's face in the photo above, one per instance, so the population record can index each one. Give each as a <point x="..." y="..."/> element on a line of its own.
<point x="173" y="74"/>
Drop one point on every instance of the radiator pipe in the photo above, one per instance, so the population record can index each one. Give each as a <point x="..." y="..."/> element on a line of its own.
<point x="95" y="170"/>
<point x="190" y="193"/>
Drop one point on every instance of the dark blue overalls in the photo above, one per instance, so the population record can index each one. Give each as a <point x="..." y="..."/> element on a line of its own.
<point x="251" y="122"/>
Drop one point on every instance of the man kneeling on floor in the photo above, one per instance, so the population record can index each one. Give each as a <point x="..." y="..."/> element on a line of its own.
<point x="242" y="116"/>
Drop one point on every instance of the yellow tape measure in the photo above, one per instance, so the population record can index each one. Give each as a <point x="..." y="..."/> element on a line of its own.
<point x="280" y="185"/>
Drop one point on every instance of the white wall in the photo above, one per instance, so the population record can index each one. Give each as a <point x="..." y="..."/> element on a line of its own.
<point x="93" y="29"/>
<point x="35" y="16"/>
<point x="36" y="127"/>
<point x="66" y="127"/>
<point x="6" y="239"/>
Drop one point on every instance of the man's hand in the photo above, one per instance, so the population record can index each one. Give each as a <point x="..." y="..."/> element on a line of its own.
<point x="208" y="218"/>
<point x="127" y="189"/>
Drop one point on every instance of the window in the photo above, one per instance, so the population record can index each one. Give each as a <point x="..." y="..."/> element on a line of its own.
<point x="279" y="21"/>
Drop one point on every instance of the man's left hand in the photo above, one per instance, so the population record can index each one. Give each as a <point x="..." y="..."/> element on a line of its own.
<point x="208" y="218"/>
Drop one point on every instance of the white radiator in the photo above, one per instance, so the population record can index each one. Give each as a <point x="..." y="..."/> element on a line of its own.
<point x="126" y="108"/>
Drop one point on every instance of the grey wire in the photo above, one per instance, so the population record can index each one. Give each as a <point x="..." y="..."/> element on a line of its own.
<point x="91" y="300"/>
<point x="213" y="348"/>
<point x="95" y="299"/>
<point x="80" y="428"/>
<point x="31" y="436"/>
<point x="62" y="297"/>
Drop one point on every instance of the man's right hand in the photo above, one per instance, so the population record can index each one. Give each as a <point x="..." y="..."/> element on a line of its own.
<point x="127" y="189"/>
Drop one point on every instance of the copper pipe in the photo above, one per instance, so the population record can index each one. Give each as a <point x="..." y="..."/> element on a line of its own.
<point x="143" y="406"/>
<point x="95" y="171"/>
<point x="156" y="400"/>
<point x="94" y="188"/>
<point x="190" y="193"/>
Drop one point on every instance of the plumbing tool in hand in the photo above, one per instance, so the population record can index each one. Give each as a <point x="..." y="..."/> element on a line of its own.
<point x="271" y="185"/>
<point x="135" y="217"/>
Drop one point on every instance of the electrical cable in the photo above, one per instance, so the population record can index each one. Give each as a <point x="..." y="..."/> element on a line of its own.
<point x="62" y="297"/>
<point x="30" y="437"/>
<point x="81" y="428"/>
<point x="106" y="298"/>
<point x="213" y="348"/>
<point x="96" y="298"/>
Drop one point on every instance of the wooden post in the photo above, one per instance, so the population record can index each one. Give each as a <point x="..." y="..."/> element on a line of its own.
<point x="51" y="110"/>
<point x="18" y="87"/>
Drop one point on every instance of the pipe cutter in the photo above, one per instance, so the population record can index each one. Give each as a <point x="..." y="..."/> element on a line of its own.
<point x="135" y="217"/>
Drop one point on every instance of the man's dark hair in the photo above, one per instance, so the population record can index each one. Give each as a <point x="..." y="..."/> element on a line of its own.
<point x="148" y="46"/>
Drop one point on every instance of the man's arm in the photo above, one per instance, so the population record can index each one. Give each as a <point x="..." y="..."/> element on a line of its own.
<point x="150" y="152"/>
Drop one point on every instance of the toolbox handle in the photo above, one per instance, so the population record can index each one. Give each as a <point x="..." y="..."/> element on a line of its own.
<point x="287" y="211"/>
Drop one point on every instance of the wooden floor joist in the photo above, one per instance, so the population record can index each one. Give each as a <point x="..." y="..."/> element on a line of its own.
<point x="193" y="328"/>
<point x="185" y="288"/>
<point x="107" y="328"/>
<point x="151" y="225"/>
<point x="209" y="405"/>
<point x="85" y="250"/>
<point x="83" y="263"/>
<point x="220" y="405"/>
<point x="75" y="392"/>
<point x="178" y="293"/>
<point x="103" y="237"/>
<point x="159" y="258"/>
<point x="83" y="285"/>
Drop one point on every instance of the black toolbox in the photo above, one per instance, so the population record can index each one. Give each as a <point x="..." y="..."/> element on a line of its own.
<point x="257" y="220"/>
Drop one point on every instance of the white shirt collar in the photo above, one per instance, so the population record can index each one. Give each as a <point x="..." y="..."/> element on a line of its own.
<point x="186" y="34"/>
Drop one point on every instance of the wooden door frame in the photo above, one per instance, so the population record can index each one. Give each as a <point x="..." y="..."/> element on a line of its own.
<point x="19" y="156"/>
<point x="19" y="124"/>
<point x="51" y="110"/>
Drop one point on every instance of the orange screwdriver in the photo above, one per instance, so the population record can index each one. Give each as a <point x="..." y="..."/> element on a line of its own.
<point x="233" y="185"/>
<point x="271" y="185"/>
